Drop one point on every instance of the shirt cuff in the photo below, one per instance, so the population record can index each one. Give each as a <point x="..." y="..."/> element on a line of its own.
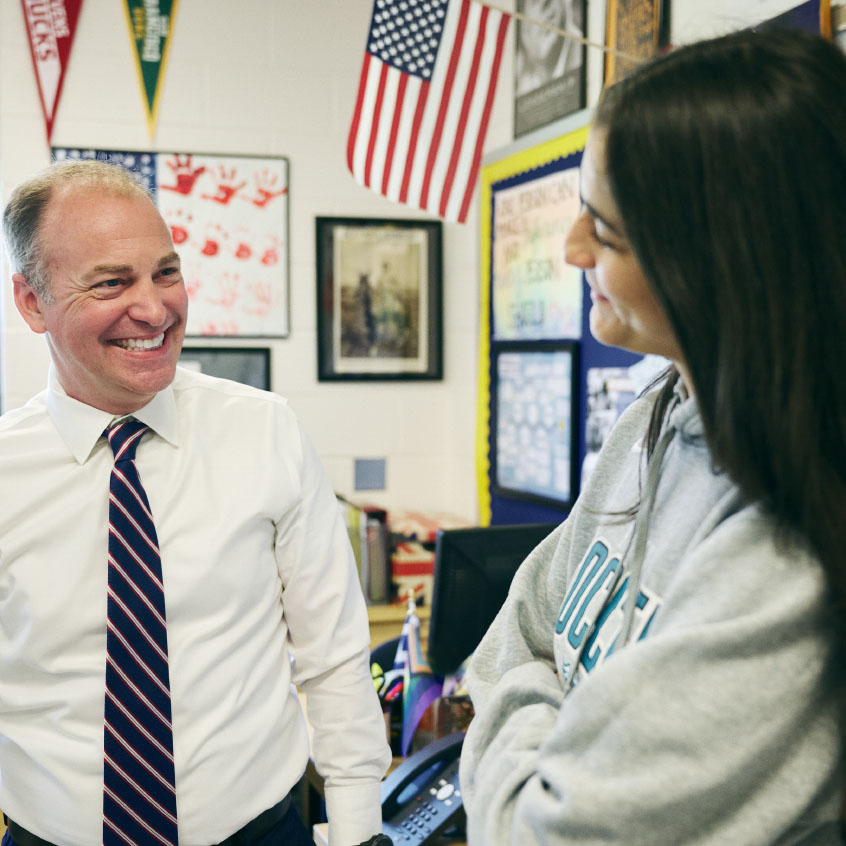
<point x="355" y="813"/>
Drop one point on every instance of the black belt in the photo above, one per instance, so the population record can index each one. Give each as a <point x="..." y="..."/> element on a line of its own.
<point x="252" y="831"/>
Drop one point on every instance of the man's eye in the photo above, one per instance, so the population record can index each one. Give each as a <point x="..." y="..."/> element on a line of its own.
<point x="110" y="283"/>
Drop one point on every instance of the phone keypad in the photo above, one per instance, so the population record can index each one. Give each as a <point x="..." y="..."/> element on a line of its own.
<point x="429" y="811"/>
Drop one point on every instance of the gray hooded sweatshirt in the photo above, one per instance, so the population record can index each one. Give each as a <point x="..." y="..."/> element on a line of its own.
<point x="660" y="680"/>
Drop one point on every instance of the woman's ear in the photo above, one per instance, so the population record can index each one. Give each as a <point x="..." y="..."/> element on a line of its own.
<point x="29" y="303"/>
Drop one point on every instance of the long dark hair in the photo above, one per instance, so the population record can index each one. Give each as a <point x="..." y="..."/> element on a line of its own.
<point x="727" y="160"/>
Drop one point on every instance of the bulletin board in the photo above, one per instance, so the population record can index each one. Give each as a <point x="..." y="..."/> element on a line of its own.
<point x="228" y="216"/>
<point x="530" y="300"/>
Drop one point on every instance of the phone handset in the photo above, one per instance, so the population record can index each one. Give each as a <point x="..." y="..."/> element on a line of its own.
<point x="422" y="796"/>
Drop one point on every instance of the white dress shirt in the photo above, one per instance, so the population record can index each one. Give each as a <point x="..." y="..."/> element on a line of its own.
<point x="261" y="592"/>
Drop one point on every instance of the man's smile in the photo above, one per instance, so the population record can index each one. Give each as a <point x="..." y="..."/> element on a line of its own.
<point x="140" y="343"/>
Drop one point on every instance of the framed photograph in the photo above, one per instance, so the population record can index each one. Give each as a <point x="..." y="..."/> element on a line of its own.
<point x="248" y="365"/>
<point x="378" y="299"/>
<point x="549" y="68"/>
<point x="228" y="217"/>
<point x="533" y="438"/>
<point x="638" y="28"/>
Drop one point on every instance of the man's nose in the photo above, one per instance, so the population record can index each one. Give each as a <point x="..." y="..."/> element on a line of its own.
<point x="577" y="244"/>
<point x="147" y="304"/>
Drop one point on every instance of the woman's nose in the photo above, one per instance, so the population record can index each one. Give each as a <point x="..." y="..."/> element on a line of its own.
<point x="577" y="244"/>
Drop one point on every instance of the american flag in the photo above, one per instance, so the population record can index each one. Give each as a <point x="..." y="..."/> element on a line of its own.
<point x="424" y="100"/>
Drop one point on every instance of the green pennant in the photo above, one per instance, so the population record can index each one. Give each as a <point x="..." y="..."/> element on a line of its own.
<point x="150" y="24"/>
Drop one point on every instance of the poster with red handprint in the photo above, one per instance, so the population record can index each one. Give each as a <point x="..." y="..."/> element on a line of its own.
<point x="228" y="216"/>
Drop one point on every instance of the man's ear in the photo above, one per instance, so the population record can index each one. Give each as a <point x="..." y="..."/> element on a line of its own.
<point x="29" y="303"/>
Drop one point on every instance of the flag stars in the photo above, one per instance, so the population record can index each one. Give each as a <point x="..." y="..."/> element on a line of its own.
<point x="406" y="34"/>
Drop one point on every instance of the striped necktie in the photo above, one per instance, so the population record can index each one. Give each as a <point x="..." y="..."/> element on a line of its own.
<point x="139" y="798"/>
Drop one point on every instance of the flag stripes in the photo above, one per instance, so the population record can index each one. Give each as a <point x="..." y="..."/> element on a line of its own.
<point x="417" y="135"/>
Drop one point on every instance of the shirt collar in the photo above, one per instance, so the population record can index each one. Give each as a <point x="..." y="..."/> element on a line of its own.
<point x="81" y="425"/>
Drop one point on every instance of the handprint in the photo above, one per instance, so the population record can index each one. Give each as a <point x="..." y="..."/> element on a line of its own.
<point x="192" y="287"/>
<point x="226" y="187"/>
<point x="178" y="224"/>
<point x="214" y="237"/>
<point x="270" y="256"/>
<point x="185" y="177"/>
<point x="179" y="234"/>
<point x="265" y="182"/>
<point x="229" y="293"/>
<point x="263" y="295"/>
<point x="241" y="237"/>
<point x="228" y="327"/>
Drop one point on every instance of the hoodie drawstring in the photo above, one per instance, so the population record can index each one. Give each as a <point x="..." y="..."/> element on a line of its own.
<point x="641" y="529"/>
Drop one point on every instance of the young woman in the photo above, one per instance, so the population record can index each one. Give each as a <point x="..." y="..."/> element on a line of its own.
<point x="668" y="666"/>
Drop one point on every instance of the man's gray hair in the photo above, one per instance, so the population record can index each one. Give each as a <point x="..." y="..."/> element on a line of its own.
<point x="24" y="212"/>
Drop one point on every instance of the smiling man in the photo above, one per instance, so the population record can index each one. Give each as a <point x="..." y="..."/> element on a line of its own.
<point x="172" y="562"/>
<point x="114" y="310"/>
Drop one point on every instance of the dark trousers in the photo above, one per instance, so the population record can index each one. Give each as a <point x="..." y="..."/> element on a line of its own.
<point x="278" y="826"/>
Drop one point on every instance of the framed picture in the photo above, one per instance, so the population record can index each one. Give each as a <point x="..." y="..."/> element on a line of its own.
<point x="378" y="299"/>
<point x="248" y="365"/>
<point x="534" y="424"/>
<point x="549" y="68"/>
<point x="637" y="28"/>
<point x="228" y="217"/>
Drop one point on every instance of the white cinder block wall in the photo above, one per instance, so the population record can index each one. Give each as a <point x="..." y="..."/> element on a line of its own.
<point x="279" y="77"/>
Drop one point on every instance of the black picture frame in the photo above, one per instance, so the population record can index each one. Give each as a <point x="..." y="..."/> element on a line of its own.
<point x="248" y="365"/>
<point x="550" y="70"/>
<point x="379" y="299"/>
<point x="534" y="422"/>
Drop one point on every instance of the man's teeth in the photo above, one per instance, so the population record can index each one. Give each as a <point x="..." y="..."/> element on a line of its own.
<point x="135" y="344"/>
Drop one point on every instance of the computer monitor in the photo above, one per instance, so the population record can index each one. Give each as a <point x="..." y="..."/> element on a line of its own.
<point x="473" y="571"/>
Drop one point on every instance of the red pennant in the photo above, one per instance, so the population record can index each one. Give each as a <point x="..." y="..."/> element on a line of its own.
<point x="51" y="25"/>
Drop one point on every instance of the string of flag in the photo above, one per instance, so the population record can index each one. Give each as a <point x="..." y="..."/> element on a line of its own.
<point x="564" y="33"/>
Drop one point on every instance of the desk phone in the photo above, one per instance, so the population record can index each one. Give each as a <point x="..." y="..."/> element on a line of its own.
<point x="422" y="797"/>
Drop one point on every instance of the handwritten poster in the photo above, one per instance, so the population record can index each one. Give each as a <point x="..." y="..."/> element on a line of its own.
<point x="536" y="295"/>
<point x="228" y="216"/>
